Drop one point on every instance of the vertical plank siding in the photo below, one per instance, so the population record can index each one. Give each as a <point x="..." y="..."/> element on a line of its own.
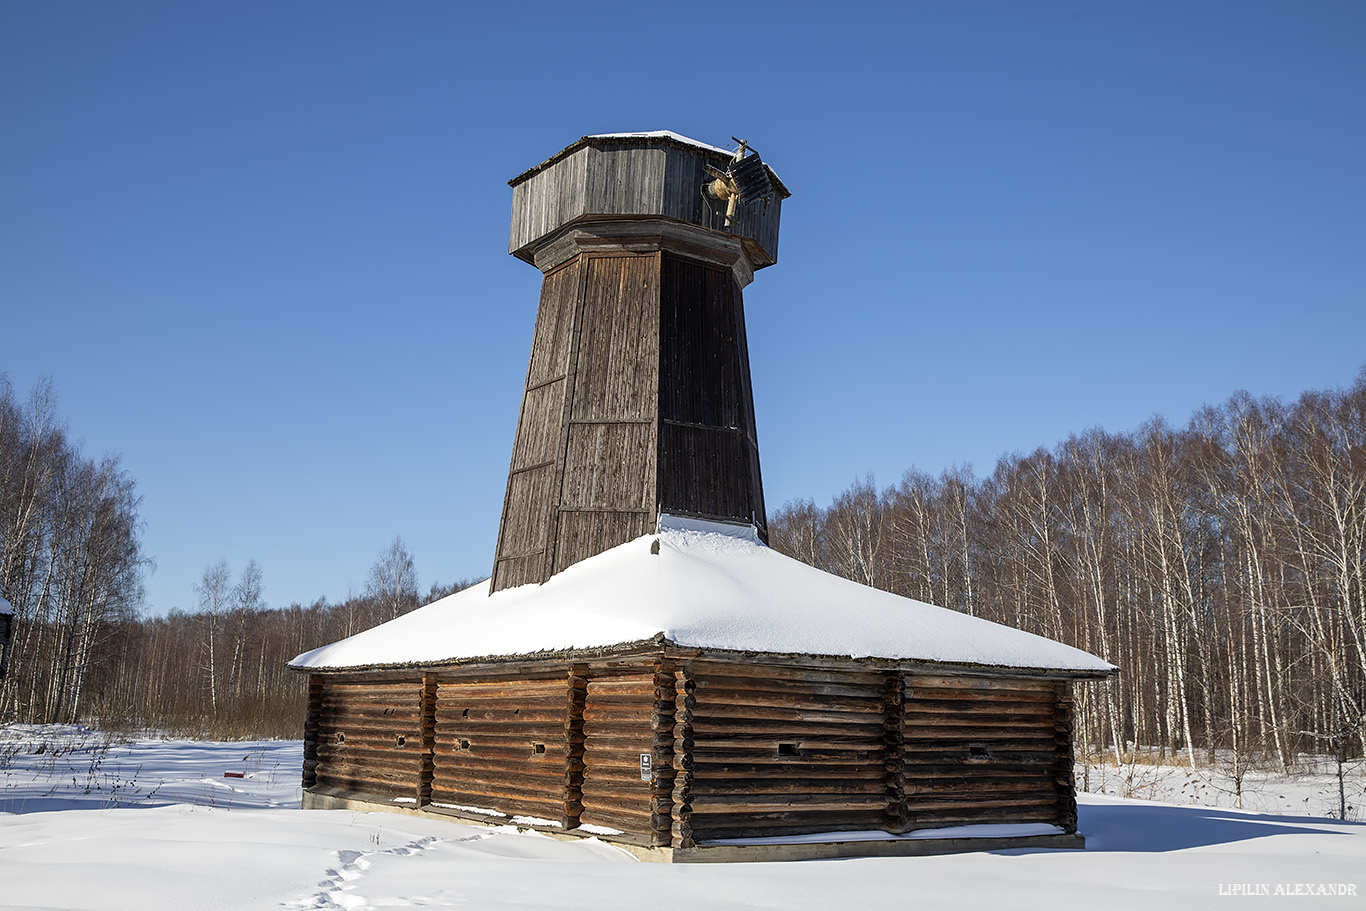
<point x="524" y="532"/>
<point x="369" y="736"/>
<point x="708" y="445"/>
<point x="606" y="493"/>
<point x="980" y="750"/>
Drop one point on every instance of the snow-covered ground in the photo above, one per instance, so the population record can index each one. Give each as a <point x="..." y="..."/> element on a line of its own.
<point x="90" y="823"/>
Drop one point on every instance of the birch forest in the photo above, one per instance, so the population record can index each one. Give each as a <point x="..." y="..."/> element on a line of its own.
<point x="1220" y="565"/>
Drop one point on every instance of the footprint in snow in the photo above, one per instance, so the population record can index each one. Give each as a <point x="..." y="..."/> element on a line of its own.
<point x="350" y="866"/>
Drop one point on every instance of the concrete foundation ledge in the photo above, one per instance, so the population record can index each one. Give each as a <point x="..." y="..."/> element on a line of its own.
<point x="797" y="849"/>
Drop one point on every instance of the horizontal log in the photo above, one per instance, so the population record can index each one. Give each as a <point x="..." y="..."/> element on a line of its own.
<point x="625" y="714"/>
<point x="454" y="710"/>
<point x="558" y="690"/>
<point x="617" y="789"/>
<point x="960" y="766"/>
<point x="943" y="681"/>
<point x="768" y="672"/>
<point x="735" y="740"/>
<point x="546" y="713"/>
<point x="707" y="769"/>
<point x="544" y="809"/>
<point x="330" y="706"/>
<point x="618" y="727"/>
<point x="729" y="688"/>
<point x="998" y="697"/>
<point x="376" y="689"/>
<point x="527" y="762"/>
<point x="868" y="787"/>
<point x="512" y="793"/>
<point x="506" y="734"/>
<point x="995" y="743"/>
<point x="638" y="815"/>
<point x="369" y="732"/>
<point x="501" y="684"/>
<point x="757" y="803"/>
<point x="933" y="755"/>
<point x="814" y="712"/>
<point x="354" y="781"/>
<point x="1025" y="727"/>
<point x="916" y="803"/>
<point x="984" y="732"/>
<point x="980" y="772"/>
<point x="622" y="765"/>
<point x="971" y="707"/>
<point x="549" y="727"/>
<point x="371" y="725"/>
<point x="631" y="825"/>
<point x="606" y="745"/>
<point x="644" y="691"/>
<point x="870" y="728"/>
<point x="966" y="788"/>
<point x="495" y="779"/>
<point x="731" y="825"/>
<point x="365" y="710"/>
<point x="541" y="774"/>
<point x="349" y="752"/>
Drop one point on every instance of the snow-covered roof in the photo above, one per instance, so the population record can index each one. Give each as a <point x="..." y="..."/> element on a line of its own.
<point x="5" y="606"/>
<point x="698" y="588"/>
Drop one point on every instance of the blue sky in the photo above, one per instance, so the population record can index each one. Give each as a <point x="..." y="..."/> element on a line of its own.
<point x="261" y="248"/>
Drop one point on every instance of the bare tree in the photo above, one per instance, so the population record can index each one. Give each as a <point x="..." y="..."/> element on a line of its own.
<point x="392" y="583"/>
<point x="215" y="592"/>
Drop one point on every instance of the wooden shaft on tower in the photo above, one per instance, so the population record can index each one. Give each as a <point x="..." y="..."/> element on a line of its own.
<point x="637" y="401"/>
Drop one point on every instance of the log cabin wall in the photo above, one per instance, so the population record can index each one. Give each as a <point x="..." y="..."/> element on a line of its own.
<point x="778" y="751"/>
<point x="987" y="750"/>
<point x="617" y="782"/>
<point x="734" y="749"/>
<point x="368" y="735"/>
<point x="500" y="744"/>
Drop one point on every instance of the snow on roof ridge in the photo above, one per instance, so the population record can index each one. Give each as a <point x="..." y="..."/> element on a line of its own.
<point x="696" y="589"/>
<point x="663" y="134"/>
<point x="744" y="531"/>
<point x="5" y="606"/>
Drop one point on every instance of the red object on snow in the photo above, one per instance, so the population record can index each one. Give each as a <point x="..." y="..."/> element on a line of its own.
<point x="233" y="775"/>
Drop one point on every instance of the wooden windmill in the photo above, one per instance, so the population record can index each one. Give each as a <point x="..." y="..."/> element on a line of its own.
<point x="641" y="667"/>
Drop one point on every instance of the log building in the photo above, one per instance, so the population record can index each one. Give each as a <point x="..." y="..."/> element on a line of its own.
<point x="641" y="666"/>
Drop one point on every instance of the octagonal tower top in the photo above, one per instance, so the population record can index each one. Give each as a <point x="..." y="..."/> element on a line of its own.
<point x="637" y="175"/>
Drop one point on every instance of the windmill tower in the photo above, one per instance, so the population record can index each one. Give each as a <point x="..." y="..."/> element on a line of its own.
<point x="637" y="403"/>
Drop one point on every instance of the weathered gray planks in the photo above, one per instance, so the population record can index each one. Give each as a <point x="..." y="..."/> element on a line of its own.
<point x="639" y="177"/>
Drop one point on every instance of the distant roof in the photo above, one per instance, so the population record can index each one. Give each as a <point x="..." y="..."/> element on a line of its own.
<point x="661" y="136"/>
<point x="5" y="606"/>
<point x="706" y="589"/>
